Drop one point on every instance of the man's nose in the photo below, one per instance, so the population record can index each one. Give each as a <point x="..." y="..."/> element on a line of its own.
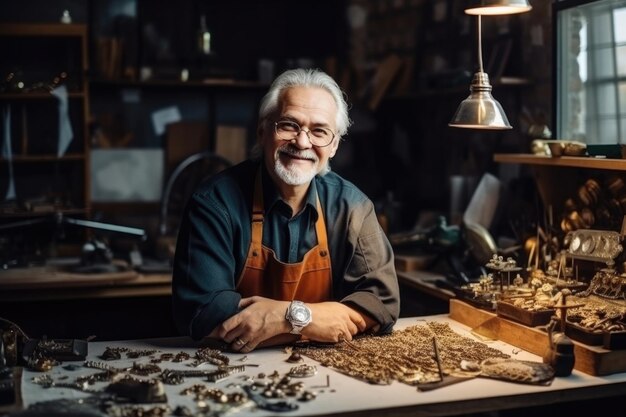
<point x="303" y="140"/>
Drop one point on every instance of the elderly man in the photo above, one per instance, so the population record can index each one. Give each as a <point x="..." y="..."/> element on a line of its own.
<point x="279" y="247"/>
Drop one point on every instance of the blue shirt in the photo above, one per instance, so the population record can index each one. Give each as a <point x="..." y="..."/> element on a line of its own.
<point x="215" y="235"/>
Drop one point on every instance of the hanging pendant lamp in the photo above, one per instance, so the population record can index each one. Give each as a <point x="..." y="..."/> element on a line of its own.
<point x="480" y="110"/>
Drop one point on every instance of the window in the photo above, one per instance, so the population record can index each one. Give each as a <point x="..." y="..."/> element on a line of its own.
<point x="591" y="71"/>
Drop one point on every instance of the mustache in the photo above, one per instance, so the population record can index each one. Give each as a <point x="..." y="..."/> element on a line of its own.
<point x="291" y="150"/>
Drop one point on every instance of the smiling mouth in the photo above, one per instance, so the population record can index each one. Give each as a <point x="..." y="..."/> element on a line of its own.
<point x="296" y="156"/>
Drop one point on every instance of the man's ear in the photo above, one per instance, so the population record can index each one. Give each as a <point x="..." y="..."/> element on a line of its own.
<point x="334" y="146"/>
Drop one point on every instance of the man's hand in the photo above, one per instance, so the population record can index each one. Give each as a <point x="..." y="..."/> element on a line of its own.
<point x="333" y="322"/>
<point x="259" y="319"/>
<point x="261" y="322"/>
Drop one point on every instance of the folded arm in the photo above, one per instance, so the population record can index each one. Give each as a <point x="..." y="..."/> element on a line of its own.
<point x="261" y="322"/>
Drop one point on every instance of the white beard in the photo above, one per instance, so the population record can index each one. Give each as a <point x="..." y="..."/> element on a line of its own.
<point x="293" y="175"/>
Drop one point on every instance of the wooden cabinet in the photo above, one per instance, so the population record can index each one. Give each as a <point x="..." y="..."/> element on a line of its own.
<point x="44" y="98"/>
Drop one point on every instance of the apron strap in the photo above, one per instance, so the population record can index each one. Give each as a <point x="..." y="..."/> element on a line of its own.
<point x="257" y="216"/>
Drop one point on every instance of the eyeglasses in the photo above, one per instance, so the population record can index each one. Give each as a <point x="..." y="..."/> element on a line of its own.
<point x="318" y="136"/>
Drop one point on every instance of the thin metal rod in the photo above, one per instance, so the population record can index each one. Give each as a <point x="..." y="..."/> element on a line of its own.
<point x="480" y="45"/>
<point x="437" y="359"/>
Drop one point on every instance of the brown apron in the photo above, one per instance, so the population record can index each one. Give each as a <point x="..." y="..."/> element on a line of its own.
<point x="309" y="280"/>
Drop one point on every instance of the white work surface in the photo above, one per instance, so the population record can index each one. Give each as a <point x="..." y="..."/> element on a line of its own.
<point x="345" y="394"/>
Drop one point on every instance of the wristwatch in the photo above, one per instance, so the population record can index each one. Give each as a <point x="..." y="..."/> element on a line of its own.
<point x="299" y="315"/>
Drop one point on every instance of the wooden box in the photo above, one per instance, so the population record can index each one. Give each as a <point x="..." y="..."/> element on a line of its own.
<point x="523" y="316"/>
<point x="592" y="360"/>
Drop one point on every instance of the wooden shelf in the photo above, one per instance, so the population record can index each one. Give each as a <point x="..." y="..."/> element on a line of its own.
<point x="44" y="158"/>
<point x="37" y="96"/>
<point x="43" y="29"/>
<point x="39" y="172"/>
<point x="563" y="161"/>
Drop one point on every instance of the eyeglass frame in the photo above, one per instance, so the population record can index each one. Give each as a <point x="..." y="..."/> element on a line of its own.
<point x="301" y="129"/>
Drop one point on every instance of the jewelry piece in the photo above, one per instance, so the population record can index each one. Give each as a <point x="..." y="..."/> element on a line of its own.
<point x="302" y="371"/>
<point x="262" y="403"/>
<point x="144" y="369"/>
<point x="181" y="357"/>
<point x="212" y="356"/>
<point x="403" y="355"/>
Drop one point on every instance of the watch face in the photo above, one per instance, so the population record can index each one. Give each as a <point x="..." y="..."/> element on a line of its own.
<point x="301" y="314"/>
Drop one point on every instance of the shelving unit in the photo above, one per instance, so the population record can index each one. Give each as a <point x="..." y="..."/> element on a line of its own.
<point x="42" y="57"/>
<point x="561" y="182"/>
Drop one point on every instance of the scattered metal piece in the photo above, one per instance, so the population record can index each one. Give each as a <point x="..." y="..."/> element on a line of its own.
<point x="302" y="371"/>
<point x="262" y="403"/>
<point x="324" y="386"/>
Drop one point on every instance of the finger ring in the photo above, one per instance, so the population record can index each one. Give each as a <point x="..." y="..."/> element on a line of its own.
<point x="240" y="342"/>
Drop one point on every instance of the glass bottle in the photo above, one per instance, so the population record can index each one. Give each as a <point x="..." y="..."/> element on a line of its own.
<point x="204" y="37"/>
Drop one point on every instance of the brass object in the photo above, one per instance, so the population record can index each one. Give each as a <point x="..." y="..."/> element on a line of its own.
<point x="295" y="357"/>
<point x="405" y="356"/>
<point x="302" y="371"/>
<point x="594" y="245"/>
<point x="575" y="149"/>
<point x="556" y="147"/>
<point x="517" y="371"/>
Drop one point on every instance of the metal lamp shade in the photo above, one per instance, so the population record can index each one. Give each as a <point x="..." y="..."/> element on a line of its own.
<point x="480" y="110"/>
<point x="497" y="7"/>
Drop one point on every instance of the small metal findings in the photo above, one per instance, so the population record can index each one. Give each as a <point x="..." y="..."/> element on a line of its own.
<point x="182" y="411"/>
<point x="136" y="353"/>
<point x="98" y="365"/>
<point x="213" y="356"/>
<point x="307" y="396"/>
<point x="144" y="369"/>
<point x="324" y="386"/>
<point x="260" y="384"/>
<point x="233" y="369"/>
<point x="295" y="357"/>
<point x="181" y="357"/>
<point x="111" y="354"/>
<point x="43" y="380"/>
<point x="42" y="364"/>
<point x="217" y="376"/>
<point x="237" y="398"/>
<point x="170" y="377"/>
<point x="302" y="371"/>
<point x="274" y="375"/>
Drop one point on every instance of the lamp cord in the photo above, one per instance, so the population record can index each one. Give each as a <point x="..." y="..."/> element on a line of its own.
<point x="480" y="45"/>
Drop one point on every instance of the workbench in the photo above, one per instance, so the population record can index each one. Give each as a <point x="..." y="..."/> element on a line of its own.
<point x="340" y="395"/>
